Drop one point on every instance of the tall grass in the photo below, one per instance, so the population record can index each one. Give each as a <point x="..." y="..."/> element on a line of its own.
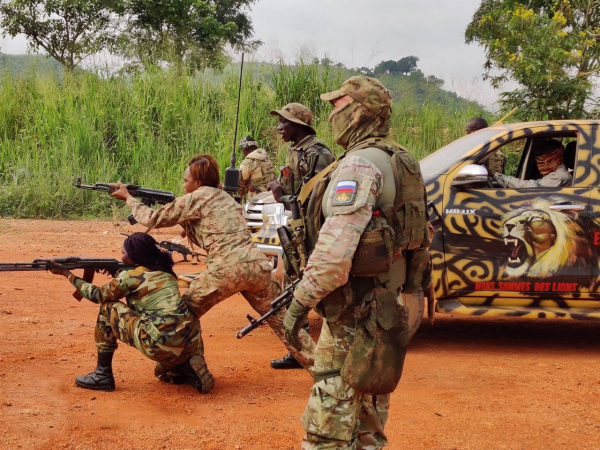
<point x="143" y="129"/>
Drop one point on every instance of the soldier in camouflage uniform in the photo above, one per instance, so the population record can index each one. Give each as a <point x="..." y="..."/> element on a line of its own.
<point x="495" y="162"/>
<point x="213" y="221"/>
<point x="295" y="126"/>
<point x="256" y="170"/>
<point x="364" y="188"/>
<point x="155" y="319"/>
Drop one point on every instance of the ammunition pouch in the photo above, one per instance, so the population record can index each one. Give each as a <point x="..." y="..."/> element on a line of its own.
<point x="376" y="356"/>
<point x="374" y="254"/>
<point x="418" y="273"/>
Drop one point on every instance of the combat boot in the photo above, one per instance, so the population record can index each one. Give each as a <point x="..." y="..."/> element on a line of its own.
<point x="100" y="379"/>
<point x="287" y="362"/>
<point x="195" y="372"/>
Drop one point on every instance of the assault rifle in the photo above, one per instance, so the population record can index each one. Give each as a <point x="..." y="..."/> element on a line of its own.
<point x="89" y="265"/>
<point x="171" y="247"/>
<point x="281" y="302"/>
<point x="149" y="197"/>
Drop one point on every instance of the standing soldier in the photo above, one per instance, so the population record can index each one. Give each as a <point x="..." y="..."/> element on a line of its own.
<point x="371" y="245"/>
<point x="256" y="170"/>
<point x="295" y="126"/>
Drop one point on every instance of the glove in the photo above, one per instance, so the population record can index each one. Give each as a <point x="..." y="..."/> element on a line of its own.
<point x="292" y="322"/>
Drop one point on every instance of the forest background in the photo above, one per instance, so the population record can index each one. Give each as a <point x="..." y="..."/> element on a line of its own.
<point x="176" y="94"/>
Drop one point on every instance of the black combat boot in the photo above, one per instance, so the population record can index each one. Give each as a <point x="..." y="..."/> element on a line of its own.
<point x="100" y="379"/>
<point x="195" y="372"/>
<point x="287" y="362"/>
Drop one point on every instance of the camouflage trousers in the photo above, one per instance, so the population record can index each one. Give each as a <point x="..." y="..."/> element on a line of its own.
<point x="338" y="416"/>
<point x="256" y="284"/>
<point x="118" y="321"/>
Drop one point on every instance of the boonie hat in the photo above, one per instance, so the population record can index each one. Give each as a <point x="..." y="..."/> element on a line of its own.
<point x="365" y="90"/>
<point x="248" y="141"/>
<point x="297" y="113"/>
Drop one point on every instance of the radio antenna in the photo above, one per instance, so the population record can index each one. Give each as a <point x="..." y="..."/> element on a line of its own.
<point x="232" y="174"/>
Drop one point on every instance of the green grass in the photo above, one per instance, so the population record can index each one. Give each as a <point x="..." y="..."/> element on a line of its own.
<point x="143" y="129"/>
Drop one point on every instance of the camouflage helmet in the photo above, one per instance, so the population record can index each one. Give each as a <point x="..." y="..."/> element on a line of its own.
<point x="297" y="113"/>
<point x="367" y="91"/>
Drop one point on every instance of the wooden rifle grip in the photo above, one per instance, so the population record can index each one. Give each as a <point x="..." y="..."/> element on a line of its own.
<point x="88" y="276"/>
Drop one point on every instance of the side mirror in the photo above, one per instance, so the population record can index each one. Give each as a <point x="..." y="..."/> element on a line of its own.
<point x="471" y="175"/>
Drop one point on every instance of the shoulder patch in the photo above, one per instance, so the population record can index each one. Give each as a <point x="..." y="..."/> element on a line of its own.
<point x="345" y="193"/>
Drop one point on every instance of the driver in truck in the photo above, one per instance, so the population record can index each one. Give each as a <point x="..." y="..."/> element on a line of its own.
<point x="550" y="162"/>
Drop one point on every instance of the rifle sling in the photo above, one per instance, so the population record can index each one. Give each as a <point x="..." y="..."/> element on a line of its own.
<point x="310" y="184"/>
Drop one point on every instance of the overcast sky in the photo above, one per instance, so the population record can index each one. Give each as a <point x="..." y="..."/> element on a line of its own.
<point x="363" y="33"/>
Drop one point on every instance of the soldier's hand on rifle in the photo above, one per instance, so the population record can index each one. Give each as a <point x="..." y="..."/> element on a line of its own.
<point x="293" y="321"/>
<point x="120" y="192"/>
<point x="57" y="271"/>
<point x="277" y="190"/>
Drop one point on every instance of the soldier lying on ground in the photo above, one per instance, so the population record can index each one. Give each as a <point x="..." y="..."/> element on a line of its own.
<point x="155" y="319"/>
<point x="213" y="221"/>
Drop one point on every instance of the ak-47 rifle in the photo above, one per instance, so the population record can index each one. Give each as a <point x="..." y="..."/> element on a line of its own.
<point x="149" y="197"/>
<point x="89" y="265"/>
<point x="280" y="303"/>
<point x="171" y="247"/>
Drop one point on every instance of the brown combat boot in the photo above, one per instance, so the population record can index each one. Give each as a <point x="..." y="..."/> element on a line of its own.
<point x="195" y="372"/>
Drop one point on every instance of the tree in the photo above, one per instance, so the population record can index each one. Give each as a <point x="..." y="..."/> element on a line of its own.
<point x="68" y="30"/>
<point x="550" y="48"/>
<point x="386" y="67"/>
<point x="364" y="71"/>
<point x="407" y="64"/>
<point x="194" y="32"/>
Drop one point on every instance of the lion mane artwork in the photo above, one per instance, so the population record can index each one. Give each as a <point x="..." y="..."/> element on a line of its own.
<point x="542" y="242"/>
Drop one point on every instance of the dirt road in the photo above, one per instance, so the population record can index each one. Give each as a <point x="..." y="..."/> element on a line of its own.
<point x="468" y="383"/>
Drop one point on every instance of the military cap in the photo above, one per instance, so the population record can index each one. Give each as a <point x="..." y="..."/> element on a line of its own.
<point x="297" y="113"/>
<point x="248" y="141"/>
<point x="365" y="90"/>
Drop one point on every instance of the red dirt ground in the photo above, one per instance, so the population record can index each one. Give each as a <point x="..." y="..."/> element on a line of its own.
<point x="468" y="383"/>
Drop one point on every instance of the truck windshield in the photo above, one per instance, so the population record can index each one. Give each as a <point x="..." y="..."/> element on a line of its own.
<point x="441" y="161"/>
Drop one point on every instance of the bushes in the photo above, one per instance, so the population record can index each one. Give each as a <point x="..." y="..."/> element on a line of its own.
<point x="143" y="129"/>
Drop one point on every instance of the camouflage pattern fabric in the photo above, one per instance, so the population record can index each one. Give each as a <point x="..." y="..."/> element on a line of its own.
<point x="213" y="220"/>
<point x="155" y="320"/>
<point x="300" y="159"/>
<point x="337" y="416"/>
<point x="256" y="284"/>
<point x="496" y="162"/>
<point x="256" y="171"/>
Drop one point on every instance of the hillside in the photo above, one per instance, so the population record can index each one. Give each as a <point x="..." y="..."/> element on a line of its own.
<point x="17" y="65"/>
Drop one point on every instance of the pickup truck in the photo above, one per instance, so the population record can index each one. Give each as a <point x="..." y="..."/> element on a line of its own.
<point x="529" y="252"/>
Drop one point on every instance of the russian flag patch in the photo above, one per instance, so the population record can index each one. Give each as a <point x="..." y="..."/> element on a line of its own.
<point x="345" y="192"/>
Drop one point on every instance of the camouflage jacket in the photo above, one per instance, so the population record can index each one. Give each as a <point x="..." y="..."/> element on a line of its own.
<point x="300" y="159"/>
<point x="212" y="220"/>
<point x="256" y="171"/>
<point x="356" y="185"/>
<point x="153" y="295"/>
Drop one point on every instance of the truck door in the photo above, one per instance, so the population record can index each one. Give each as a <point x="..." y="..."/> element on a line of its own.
<point x="524" y="246"/>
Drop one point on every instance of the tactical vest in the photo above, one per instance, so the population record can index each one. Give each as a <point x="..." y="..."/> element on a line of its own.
<point x="262" y="173"/>
<point x="300" y="162"/>
<point x="394" y="228"/>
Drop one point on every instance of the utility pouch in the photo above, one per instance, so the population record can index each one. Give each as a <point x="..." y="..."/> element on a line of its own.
<point x="292" y="258"/>
<point x="374" y="253"/>
<point x="418" y="273"/>
<point x="376" y="356"/>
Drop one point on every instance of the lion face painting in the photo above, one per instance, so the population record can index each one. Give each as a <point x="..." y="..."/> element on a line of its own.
<point x="542" y="242"/>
